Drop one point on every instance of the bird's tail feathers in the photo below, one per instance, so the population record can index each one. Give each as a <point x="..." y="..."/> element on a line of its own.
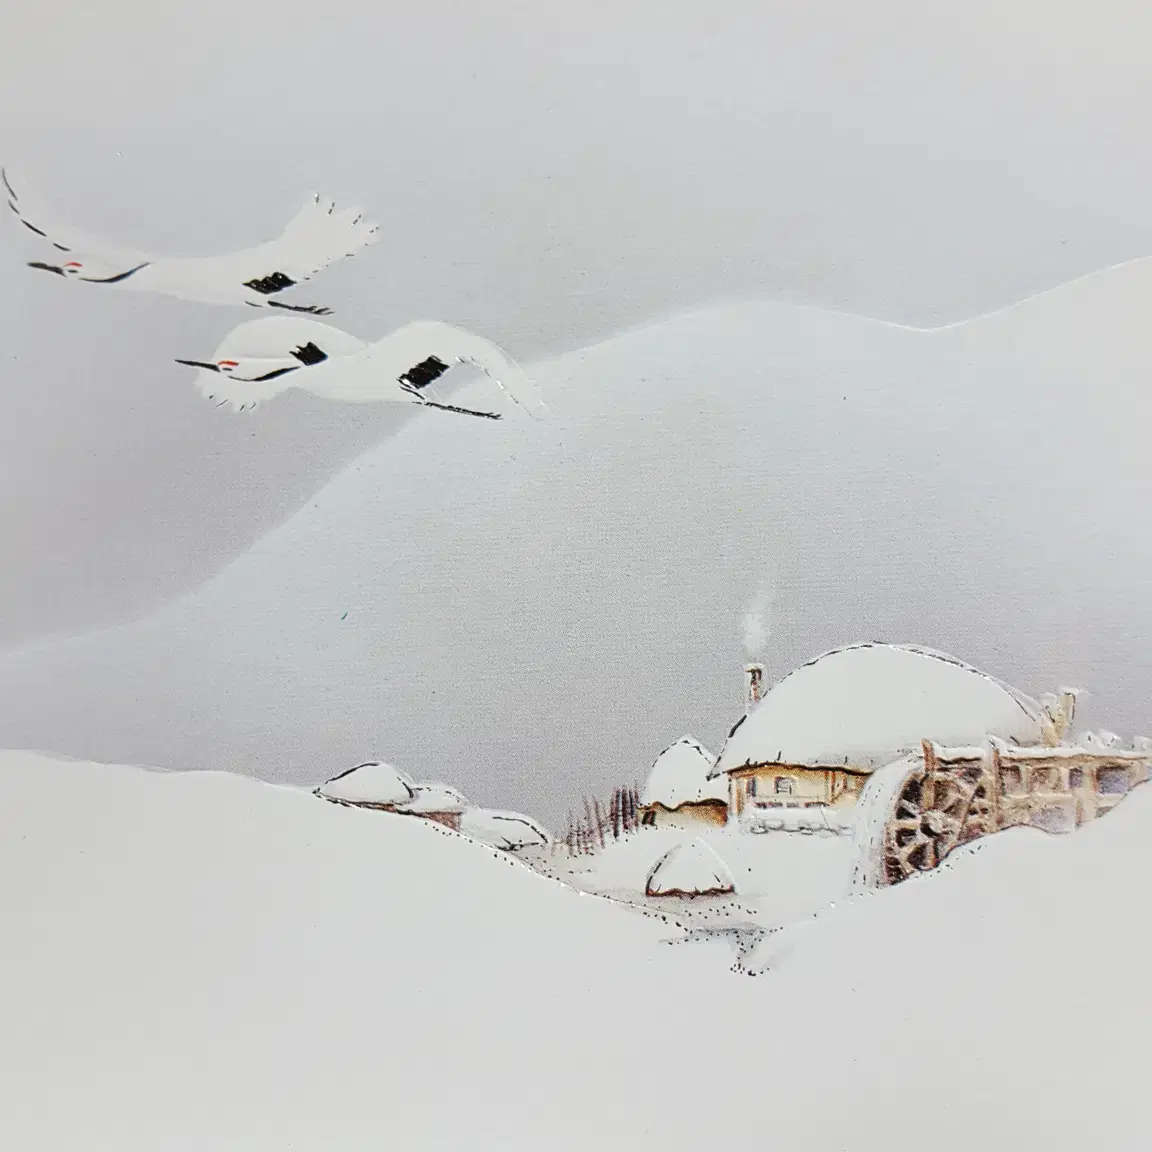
<point x="511" y="379"/>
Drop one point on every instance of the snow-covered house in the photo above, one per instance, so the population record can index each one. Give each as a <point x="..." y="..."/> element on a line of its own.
<point x="505" y="830"/>
<point x="690" y="868"/>
<point x="370" y="785"/>
<point x="818" y="733"/>
<point x="436" y="802"/>
<point x="678" y="792"/>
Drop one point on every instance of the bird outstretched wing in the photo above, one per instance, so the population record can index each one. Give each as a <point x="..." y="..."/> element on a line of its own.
<point x="318" y="235"/>
<point x="39" y="219"/>
<point x="414" y="356"/>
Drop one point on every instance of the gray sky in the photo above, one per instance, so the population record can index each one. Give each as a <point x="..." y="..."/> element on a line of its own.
<point x="544" y="173"/>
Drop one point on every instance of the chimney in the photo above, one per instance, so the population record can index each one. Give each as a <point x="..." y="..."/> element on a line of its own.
<point x="754" y="681"/>
<point x="1059" y="713"/>
<point x="1067" y="702"/>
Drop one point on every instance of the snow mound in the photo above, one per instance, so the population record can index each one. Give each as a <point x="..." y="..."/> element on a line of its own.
<point x="691" y="868"/>
<point x="236" y="955"/>
<point x="433" y="798"/>
<point x="868" y="704"/>
<point x="231" y="953"/>
<point x="679" y="775"/>
<point x="506" y="830"/>
<point x="372" y="783"/>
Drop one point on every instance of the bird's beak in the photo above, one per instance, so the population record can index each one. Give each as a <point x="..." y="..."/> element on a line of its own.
<point x="47" y="267"/>
<point x="199" y="364"/>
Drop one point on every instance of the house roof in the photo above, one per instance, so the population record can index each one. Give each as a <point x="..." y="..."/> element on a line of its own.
<point x="433" y="798"/>
<point x="868" y="704"/>
<point x="679" y="775"/>
<point x="372" y="783"/>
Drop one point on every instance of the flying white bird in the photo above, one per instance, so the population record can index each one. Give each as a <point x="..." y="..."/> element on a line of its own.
<point x="262" y="358"/>
<point x="317" y="236"/>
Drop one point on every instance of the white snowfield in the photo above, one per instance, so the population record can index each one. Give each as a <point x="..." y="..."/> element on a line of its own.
<point x="199" y="961"/>
<point x="691" y="868"/>
<point x="779" y="877"/>
<point x="679" y="775"/>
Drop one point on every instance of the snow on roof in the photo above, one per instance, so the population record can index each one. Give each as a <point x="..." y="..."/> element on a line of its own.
<point x="502" y="829"/>
<point x="691" y="868"/>
<point x="434" y="798"/>
<point x="372" y="783"/>
<point x="679" y="775"/>
<point x="868" y="704"/>
<point x="1039" y="751"/>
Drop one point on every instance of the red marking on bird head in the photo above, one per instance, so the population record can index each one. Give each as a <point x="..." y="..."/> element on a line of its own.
<point x="73" y="264"/>
<point x="228" y="363"/>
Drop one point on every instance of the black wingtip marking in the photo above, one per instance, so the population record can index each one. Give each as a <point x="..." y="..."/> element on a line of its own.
<point x="200" y="364"/>
<point x="267" y="285"/>
<point x="462" y="411"/>
<point x="422" y="374"/>
<point x="272" y="375"/>
<point x="11" y="190"/>
<point x="115" y="279"/>
<point x="31" y="227"/>
<point x="309" y="354"/>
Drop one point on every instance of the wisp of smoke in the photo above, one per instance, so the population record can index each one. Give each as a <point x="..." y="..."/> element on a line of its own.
<point x="758" y="621"/>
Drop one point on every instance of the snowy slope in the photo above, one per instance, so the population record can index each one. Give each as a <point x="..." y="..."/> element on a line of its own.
<point x="528" y="612"/>
<point x="201" y="961"/>
<point x="779" y="876"/>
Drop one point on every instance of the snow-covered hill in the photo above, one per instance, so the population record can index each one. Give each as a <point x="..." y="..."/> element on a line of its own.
<point x="533" y="613"/>
<point x="202" y="961"/>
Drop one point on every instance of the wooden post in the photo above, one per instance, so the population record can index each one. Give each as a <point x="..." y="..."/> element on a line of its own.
<point x="930" y="762"/>
<point x="995" y="785"/>
<point x="599" y="821"/>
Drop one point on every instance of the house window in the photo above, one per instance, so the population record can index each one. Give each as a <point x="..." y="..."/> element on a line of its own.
<point x="783" y="785"/>
<point x="751" y="785"/>
<point x="1012" y="781"/>
<point x="1112" y="781"/>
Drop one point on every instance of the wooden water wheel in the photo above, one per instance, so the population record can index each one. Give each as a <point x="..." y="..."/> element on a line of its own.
<point x="940" y="806"/>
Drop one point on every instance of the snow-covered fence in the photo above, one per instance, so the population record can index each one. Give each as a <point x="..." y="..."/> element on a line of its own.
<point x="813" y="818"/>
<point x="592" y="831"/>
